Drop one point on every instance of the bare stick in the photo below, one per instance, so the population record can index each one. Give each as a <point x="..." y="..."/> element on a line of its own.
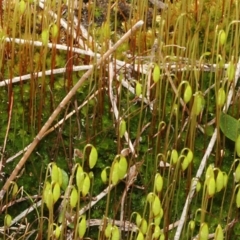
<point x="62" y="105"/>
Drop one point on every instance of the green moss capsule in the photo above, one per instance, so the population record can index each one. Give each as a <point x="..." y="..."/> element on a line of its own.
<point x="157" y="232"/>
<point x="73" y="198"/>
<point x="45" y="37"/>
<point x="219" y="181"/>
<point x="221" y="97"/>
<point x="108" y="231"/>
<point x="222" y="37"/>
<point x="191" y="225"/>
<point x="237" y="174"/>
<point x="54" y="173"/>
<point x="14" y="189"/>
<point x="82" y="226"/>
<point x="79" y="178"/>
<point x="156" y="73"/>
<point x="144" y="226"/>
<point x="138" y="89"/>
<point x="238" y="198"/>
<point x="211" y="186"/>
<point x="115" y="233"/>
<point x="138" y="220"/>
<point x="56" y="192"/>
<point x="93" y="156"/>
<point x="156" y="206"/>
<point x="174" y="156"/>
<point x="185" y="164"/>
<point x="140" y="236"/>
<point x="158" y="183"/>
<point x="203" y="233"/>
<point x="122" y="128"/>
<point x="86" y="185"/>
<point x="237" y="145"/>
<point x="198" y="104"/>
<point x="7" y="220"/>
<point x="122" y="167"/>
<point x="218" y="235"/>
<point x="114" y="176"/>
<point x="54" y="30"/>
<point x="104" y="175"/>
<point x="187" y="94"/>
<point x="22" y="7"/>
<point x="230" y="71"/>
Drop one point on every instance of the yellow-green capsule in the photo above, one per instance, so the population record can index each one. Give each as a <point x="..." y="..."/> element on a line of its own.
<point x="86" y="185"/>
<point x="144" y="226"/>
<point x="45" y="37"/>
<point x="157" y="232"/>
<point x="114" y="176"/>
<point x="219" y="181"/>
<point x="93" y="156"/>
<point x="198" y="104"/>
<point x="56" y="192"/>
<point x="108" y="230"/>
<point x="237" y="145"/>
<point x="54" y="30"/>
<point x="191" y="225"/>
<point x="237" y="174"/>
<point x="49" y="199"/>
<point x="14" y="189"/>
<point x="185" y="164"/>
<point x="187" y="94"/>
<point x="122" y="128"/>
<point x="198" y="187"/>
<point x="57" y="232"/>
<point x="219" y="233"/>
<point x="221" y="97"/>
<point x="222" y="37"/>
<point x="122" y="167"/>
<point x="158" y="183"/>
<point x="82" y="226"/>
<point x="7" y="221"/>
<point x="140" y="236"/>
<point x="54" y="173"/>
<point x="156" y="206"/>
<point x="211" y="186"/>
<point x="238" y="198"/>
<point x="174" y="156"/>
<point x="73" y="198"/>
<point x="60" y="176"/>
<point x="22" y="7"/>
<point x="230" y="71"/>
<point x="138" y="220"/>
<point x="138" y="89"/>
<point x="79" y="178"/>
<point x="104" y="175"/>
<point x="156" y="73"/>
<point x="115" y="233"/>
<point x="203" y="233"/>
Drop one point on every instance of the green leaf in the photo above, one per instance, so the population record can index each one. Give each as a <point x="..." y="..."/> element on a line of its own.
<point x="229" y="126"/>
